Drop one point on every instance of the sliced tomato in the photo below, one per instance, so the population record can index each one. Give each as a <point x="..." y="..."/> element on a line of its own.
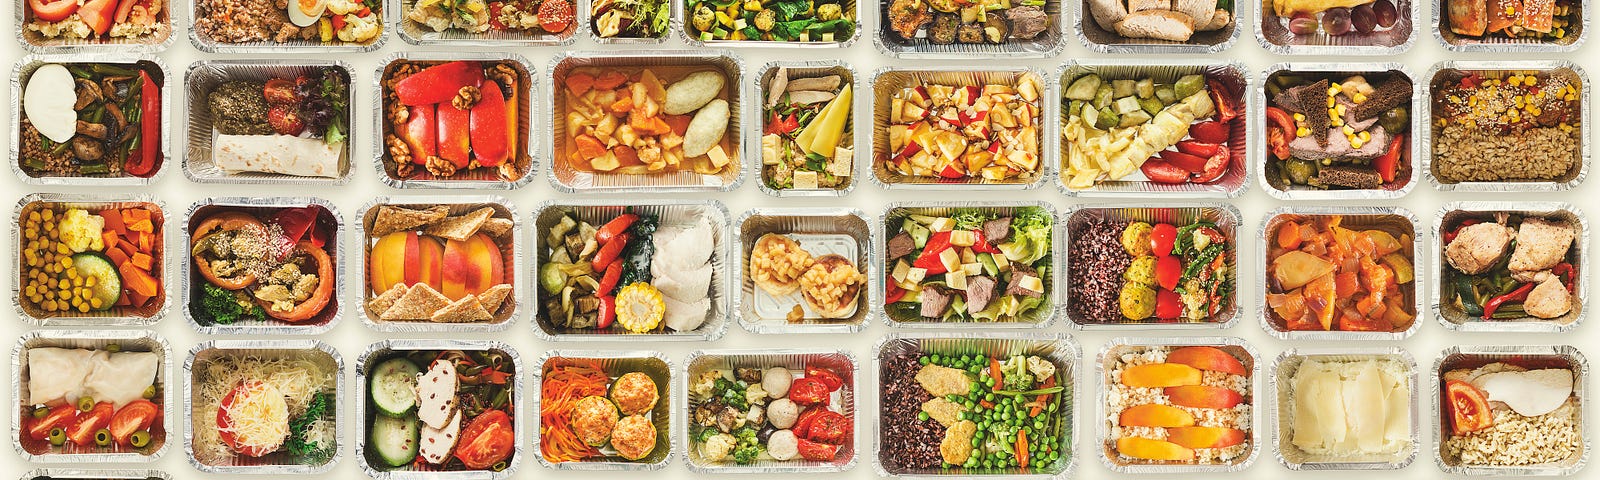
<point x="133" y="417"/>
<point x="608" y="311"/>
<point x="609" y="279"/>
<point x="60" y="416"/>
<point x="487" y="440"/>
<point x="892" y="292"/>
<point x="1198" y="148"/>
<point x="225" y="422"/>
<point x="1227" y="105"/>
<point x="1216" y="165"/>
<point x="1168" y="269"/>
<point x="808" y="391"/>
<point x="52" y="11"/>
<point x="817" y="451"/>
<point x="1469" y="408"/>
<point x="802" y="423"/>
<point x="82" y="431"/>
<point x="1162" y="237"/>
<point x="1168" y="304"/>
<point x="1162" y="171"/>
<point x="829" y="427"/>
<point x="1210" y="132"/>
<point x="98" y="15"/>
<point x="832" y="380"/>
<point x="1187" y="161"/>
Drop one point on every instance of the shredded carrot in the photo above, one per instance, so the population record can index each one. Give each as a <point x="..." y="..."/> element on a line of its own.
<point x="561" y="389"/>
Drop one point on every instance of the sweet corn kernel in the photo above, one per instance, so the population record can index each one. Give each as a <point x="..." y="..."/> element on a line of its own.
<point x="1348" y="130"/>
<point x="1365" y="136"/>
<point x="1515" y="80"/>
<point x="1299" y="117"/>
<point x="1530" y="80"/>
<point x="1302" y="132"/>
<point x="1356" y="143"/>
<point x="1359" y="98"/>
<point x="1334" y="90"/>
<point x="1332" y="102"/>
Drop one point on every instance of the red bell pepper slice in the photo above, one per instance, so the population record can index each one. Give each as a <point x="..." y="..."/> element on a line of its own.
<point x="929" y="260"/>
<point x="1389" y="163"/>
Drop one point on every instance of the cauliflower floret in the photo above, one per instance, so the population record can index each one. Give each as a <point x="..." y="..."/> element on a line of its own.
<point x="718" y="447"/>
<point x="341" y="7"/>
<point x="1041" y="368"/>
<point x="80" y="231"/>
<point x="359" y="29"/>
<point x="705" y="383"/>
<point x="755" y="395"/>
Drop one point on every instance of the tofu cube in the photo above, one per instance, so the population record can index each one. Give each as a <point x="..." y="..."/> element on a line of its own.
<point x="843" y="162"/>
<point x="805" y="179"/>
<point x="771" y="145"/>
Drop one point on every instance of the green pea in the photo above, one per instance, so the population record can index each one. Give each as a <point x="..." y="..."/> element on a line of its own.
<point x="923" y="360"/>
<point x="967" y="403"/>
<point x="944" y="465"/>
<point x="988" y="396"/>
<point x="961" y="415"/>
<point x="922" y="416"/>
<point x="937" y="358"/>
<point x="976" y="441"/>
<point x="953" y="397"/>
<point x="988" y="464"/>
<point x="988" y="382"/>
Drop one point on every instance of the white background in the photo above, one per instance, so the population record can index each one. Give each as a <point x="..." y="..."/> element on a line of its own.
<point x="351" y="337"/>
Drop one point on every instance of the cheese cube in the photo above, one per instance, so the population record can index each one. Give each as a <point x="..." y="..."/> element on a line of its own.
<point x="771" y="144"/>
<point x="971" y="269"/>
<point x="942" y="224"/>
<point x="718" y="157"/>
<point x="805" y="179"/>
<point x="1031" y="283"/>
<point x="967" y="256"/>
<point x="955" y="279"/>
<point x="901" y="269"/>
<point x="916" y="274"/>
<point x="1001" y="263"/>
<point x="843" y="162"/>
<point x="963" y="238"/>
<point x="950" y="259"/>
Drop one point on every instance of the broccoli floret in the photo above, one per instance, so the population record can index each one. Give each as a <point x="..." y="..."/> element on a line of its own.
<point x="747" y="454"/>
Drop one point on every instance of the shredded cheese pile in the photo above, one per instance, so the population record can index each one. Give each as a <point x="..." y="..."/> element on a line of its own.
<point x="296" y="380"/>
<point x="259" y="417"/>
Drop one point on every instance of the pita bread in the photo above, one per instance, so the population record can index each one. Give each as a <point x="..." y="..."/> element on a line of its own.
<point x="465" y="310"/>
<point x="387" y="299"/>
<point x="393" y="219"/>
<point x="496" y="227"/>
<point x="419" y="303"/>
<point x="460" y="227"/>
<point x="492" y="298"/>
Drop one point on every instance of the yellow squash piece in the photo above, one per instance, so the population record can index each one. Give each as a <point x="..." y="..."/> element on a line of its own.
<point x="640" y="308"/>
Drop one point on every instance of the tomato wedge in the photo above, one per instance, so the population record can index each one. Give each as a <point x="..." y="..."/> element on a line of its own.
<point x="487" y="440"/>
<point x="1469" y="408"/>
<point x="52" y="11"/>
<point x="1210" y="132"/>
<point x="1187" y="161"/>
<point x="60" y="416"/>
<point x="832" y="380"/>
<point x="133" y="417"/>
<point x="82" y="431"/>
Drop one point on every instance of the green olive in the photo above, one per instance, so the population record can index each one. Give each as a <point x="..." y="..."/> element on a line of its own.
<point x="114" y="348"/>
<point x="85" y="403"/>
<point x="58" y="436"/>
<point x="102" y="437"/>
<point x="149" y="392"/>
<point x="139" y="439"/>
<point x="499" y="466"/>
<point x="41" y="412"/>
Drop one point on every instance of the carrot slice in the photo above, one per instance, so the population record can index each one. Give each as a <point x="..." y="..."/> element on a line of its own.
<point x="138" y="280"/>
<point x="610" y="80"/>
<point x="580" y="83"/>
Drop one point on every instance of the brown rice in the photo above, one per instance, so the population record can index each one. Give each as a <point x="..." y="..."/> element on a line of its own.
<point x="1465" y="154"/>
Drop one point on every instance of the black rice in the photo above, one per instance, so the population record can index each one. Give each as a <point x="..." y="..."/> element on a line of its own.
<point x="1097" y="261"/>
<point x="907" y="443"/>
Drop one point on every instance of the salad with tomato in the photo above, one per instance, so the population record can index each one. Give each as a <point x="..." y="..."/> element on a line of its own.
<point x="968" y="264"/>
<point x="71" y="405"/>
<point x="745" y="412"/>
<point x="1160" y="271"/>
<point x="441" y="410"/>
<point x="1164" y="129"/>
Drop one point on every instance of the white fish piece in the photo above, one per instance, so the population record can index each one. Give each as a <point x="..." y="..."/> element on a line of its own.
<point x="683" y="316"/>
<point x="1531" y="393"/>
<point x="690" y="246"/>
<point x="121" y="377"/>
<point x="436" y="394"/>
<point x="58" y="373"/>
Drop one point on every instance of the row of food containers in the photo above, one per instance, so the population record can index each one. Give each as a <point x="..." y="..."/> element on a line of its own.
<point x="903" y="29"/>
<point x="683" y="270"/>
<point x="676" y="121"/>
<point x="947" y="404"/>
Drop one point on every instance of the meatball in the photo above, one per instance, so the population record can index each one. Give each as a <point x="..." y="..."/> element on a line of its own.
<point x="634" y="438"/>
<point x="635" y="393"/>
<point x="943" y="30"/>
<point x="593" y="418"/>
<point x="783" y="445"/>
<point x="783" y="413"/>
<point x="776" y="381"/>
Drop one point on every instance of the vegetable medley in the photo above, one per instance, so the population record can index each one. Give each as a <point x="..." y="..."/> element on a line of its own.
<point x="771" y="20"/>
<point x="974" y="265"/>
<point x="1325" y="276"/>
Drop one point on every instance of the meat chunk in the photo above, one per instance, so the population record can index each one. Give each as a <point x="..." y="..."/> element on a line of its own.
<point x="997" y="230"/>
<point x="1014" y="286"/>
<point x="934" y="301"/>
<point x="1468" y="17"/>
<point x="1027" y="22"/>
<point x="1541" y="244"/>
<point x="1478" y="247"/>
<point x="940" y="381"/>
<point x="906" y="17"/>
<point x="980" y="291"/>
<point x="1548" y="300"/>
<point x="900" y="245"/>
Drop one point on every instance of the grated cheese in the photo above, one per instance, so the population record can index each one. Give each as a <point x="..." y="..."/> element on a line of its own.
<point x="259" y="417"/>
<point x="296" y="380"/>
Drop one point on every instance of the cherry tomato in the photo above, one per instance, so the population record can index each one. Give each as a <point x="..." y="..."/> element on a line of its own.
<point x="133" y="417"/>
<point x="829" y="427"/>
<point x="1168" y="269"/>
<point x="1469" y="409"/>
<point x="82" y="431"/>
<point x="280" y="91"/>
<point x="810" y="450"/>
<point x="1162" y="236"/>
<point x="808" y="391"/>
<point x="487" y="440"/>
<point x="827" y="377"/>
<point x="1168" y="304"/>
<point x="60" y="416"/>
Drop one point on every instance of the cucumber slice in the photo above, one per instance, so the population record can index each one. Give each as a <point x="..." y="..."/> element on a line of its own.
<point x="394" y="386"/>
<point x="107" y="282"/>
<point x="394" y="439"/>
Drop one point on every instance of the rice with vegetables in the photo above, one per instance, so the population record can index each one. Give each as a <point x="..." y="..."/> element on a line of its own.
<point x="1516" y="127"/>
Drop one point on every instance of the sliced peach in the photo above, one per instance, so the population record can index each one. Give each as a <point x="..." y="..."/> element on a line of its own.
<point x="405" y="258"/>
<point x="1207" y="358"/>
<point x="1203" y="396"/>
<point x="472" y="266"/>
<point x="1155" y="415"/>
<point x="1151" y="449"/>
<point x="1205" y="437"/>
<point x="1160" y="375"/>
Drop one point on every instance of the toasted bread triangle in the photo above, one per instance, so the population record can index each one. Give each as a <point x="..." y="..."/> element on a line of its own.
<point x="386" y="299"/>
<point x="419" y="303"/>
<point x="393" y="219"/>
<point x="492" y="298"/>
<point x="465" y="310"/>
<point x="460" y="227"/>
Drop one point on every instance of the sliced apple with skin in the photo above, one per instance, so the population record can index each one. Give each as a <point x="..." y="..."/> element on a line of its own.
<point x="487" y="124"/>
<point x="421" y="133"/>
<point x="455" y="137"/>
<point x="405" y="258"/>
<point x="471" y="266"/>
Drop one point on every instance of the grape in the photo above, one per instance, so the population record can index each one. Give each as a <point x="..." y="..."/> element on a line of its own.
<point x="1336" y="21"/>
<point x="1386" y="13"/>
<point x="1364" y="19"/>
<point x="1303" y="24"/>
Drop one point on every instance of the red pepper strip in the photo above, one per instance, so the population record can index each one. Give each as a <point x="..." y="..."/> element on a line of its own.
<point x="1450" y="236"/>
<point x="982" y="244"/>
<point x="986" y="403"/>
<point x="1520" y="294"/>
<point x="1568" y="276"/>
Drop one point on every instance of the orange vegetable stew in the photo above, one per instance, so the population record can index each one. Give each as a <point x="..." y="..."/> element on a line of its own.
<point x="1323" y="275"/>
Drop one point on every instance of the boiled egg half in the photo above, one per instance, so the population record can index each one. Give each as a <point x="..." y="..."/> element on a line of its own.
<point x="304" y="13"/>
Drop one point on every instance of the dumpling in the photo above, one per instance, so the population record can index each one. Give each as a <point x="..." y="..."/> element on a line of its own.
<point x="58" y="373"/>
<point x="121" y="377"/>
<point x="684" y="317"/>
